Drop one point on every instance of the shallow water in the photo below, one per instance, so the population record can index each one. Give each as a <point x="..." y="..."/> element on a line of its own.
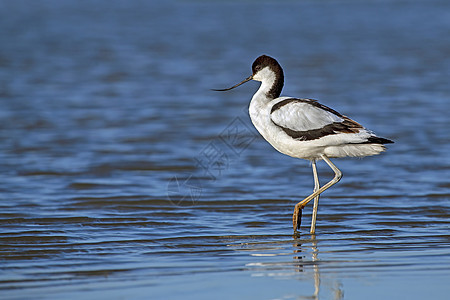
<point x="124" y="177"/>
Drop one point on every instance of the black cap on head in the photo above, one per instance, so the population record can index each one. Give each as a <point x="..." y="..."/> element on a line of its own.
<point x="265" y="61"/>
<point x="260" y="63"/>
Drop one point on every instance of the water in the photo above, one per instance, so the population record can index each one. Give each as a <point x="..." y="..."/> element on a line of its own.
<point x="124" y="177"/>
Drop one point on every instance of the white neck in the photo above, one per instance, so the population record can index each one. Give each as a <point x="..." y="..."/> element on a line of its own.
<point x="261" y="95"/>
<point x="267" y="78"/>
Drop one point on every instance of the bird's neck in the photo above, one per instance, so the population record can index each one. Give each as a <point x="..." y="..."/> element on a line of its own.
<point x="271" y="86"/>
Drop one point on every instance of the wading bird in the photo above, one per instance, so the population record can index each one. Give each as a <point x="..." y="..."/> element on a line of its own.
<point x="304" y="128"/>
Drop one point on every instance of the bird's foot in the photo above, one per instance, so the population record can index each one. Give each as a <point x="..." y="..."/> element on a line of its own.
<point x="297" y="217"/>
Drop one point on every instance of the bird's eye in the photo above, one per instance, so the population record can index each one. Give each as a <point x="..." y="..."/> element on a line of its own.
<point x="258" y="68"/>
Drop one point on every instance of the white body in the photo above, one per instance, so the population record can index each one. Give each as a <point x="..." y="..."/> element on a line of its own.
<point x="304" y="128"/>
<point x="304" y="117"/>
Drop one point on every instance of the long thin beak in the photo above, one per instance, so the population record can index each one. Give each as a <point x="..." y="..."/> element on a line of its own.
<point x="236" y="85"/>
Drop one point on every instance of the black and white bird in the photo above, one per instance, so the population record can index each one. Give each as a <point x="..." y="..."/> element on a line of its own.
<point x="304" y="128"/>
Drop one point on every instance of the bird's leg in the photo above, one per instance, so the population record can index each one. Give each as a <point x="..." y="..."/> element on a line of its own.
<point x="316" y="199"/>
<point x="297" y="218"/>
<point x="336" y="178"/>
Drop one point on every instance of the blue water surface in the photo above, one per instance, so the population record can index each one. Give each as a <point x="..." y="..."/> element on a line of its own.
<point x="125" y="177"/>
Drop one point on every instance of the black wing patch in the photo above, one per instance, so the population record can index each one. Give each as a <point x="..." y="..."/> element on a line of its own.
<point x="346" y="126"/>
<point x="377" y="140"/>
<point x="313" y="134"/>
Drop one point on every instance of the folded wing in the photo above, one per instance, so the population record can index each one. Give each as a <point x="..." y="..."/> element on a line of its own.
<point x="307" y="119"/>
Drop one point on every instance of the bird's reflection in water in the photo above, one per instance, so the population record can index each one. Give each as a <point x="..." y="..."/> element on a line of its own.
<point x="337" y="291"/>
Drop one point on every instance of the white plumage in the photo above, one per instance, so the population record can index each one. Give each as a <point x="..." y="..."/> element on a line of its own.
<point x="301" y="116"/>
<point x="304" y="128"/>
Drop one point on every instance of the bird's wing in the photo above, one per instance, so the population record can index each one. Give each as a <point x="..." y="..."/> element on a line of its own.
<point x="307" y="119"/>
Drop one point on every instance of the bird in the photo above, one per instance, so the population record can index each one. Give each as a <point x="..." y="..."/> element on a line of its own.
<point x="306" y="129"/>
